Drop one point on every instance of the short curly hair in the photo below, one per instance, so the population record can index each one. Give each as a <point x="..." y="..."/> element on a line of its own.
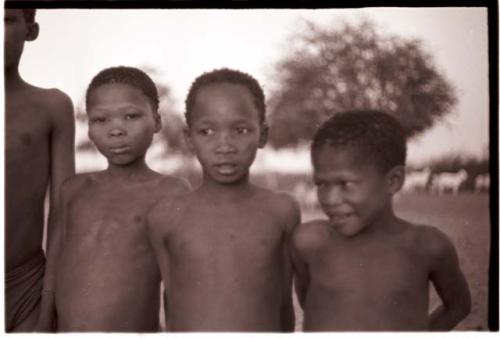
<point x="379" y="136"/>
<point x="226" y="75"/>
<point x="126" y="75"/>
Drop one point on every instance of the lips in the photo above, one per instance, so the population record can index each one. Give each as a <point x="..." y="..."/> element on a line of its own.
<point x="226" y="168"/>
<point x="340" y="218"/>
<point x="119" y="149"/>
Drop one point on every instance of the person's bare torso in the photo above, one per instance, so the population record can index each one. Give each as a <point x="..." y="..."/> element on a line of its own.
<point x="28" y="126"/>
<point x="108" y="279"/>
<point x="368" y="285"/>
<point x="225" y="265"/>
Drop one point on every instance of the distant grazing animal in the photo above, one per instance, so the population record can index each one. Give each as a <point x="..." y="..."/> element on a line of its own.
<point x="482" y="182"/>
<point x="449" y="181"/>
<point x="417" y="179"/>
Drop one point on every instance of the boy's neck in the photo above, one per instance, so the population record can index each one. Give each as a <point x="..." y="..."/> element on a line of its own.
<point x="227" y="191"/>
<point x="12" y="78"/>
<point x="133" y="171"/>
<point x="386" y="221"/>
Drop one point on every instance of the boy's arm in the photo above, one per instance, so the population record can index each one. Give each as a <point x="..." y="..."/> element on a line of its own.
<point x="62" y="152"/>
<point x="301" y="271"/>
<point x="155" y="224"/>
<point x="450" y="285"/>
<point x="287" y="310"/>
<point x="159" y="220"/>
<point x="47" y="316"/>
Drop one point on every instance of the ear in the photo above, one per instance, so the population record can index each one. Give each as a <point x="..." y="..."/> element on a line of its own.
<point x="187" y="137"/>
<point x="395" y="179"/>
<point x="264" y="132"/>
<point x="158" y="123"/>
<point x="33" y="30"/>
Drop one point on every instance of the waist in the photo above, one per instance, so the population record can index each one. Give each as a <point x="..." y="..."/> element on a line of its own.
<point x="27" y="265"/>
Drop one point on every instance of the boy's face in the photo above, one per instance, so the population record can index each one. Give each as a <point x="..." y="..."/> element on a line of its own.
<point x="352" y="192"/>
<point x="17" y="31"/>
<point x="225" y="131"/>
<point x="121" y="122"/>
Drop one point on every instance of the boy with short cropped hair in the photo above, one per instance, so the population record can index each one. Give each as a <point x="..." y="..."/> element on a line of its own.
<point x="222" y="248"/>
<point x="364" y="269"/>
<point x="39" y="154"/>
<point x="102" y="268"/>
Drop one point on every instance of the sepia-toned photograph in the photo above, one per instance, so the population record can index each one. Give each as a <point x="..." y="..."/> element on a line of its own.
<point x="246" y="170"/>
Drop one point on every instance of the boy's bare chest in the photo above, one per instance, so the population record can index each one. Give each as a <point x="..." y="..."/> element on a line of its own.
<point x="378" y="269"/>
<point x="227" y="234"/>
<point x="109" y="216"/>
<point x="27" y="132"/>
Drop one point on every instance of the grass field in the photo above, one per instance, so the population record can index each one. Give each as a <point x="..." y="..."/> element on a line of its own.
<point x="465" y="218"/>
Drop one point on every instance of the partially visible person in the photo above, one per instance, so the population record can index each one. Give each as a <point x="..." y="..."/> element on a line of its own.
<point x="39" y="156"/>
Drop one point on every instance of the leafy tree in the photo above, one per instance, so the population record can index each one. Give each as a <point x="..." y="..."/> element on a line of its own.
<point x="354" y="66"/>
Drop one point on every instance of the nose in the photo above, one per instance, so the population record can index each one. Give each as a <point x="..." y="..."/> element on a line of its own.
<point x="117" y="130"/>
<point x="225" y="144"/>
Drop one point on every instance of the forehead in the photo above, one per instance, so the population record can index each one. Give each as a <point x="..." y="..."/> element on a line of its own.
<point x="224" y="101"/>
<point x="329" y="158"/>
<point x="113" y="94"/>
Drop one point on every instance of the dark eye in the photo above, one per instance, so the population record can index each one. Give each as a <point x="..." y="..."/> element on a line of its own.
<point x="242" y="130"/>
<point x="346" y="184"/>
<point x="132" y="116"/>
<point x="206" y="131"/>
<point x="319" y="184"/>
<point x="9" y="19"/>
<point x="98" y="120"/>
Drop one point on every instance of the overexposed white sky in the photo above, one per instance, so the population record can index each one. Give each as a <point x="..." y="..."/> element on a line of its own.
<point x="181" y="44"/>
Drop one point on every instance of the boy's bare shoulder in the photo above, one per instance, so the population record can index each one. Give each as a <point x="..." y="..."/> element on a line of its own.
<point x="172" y="185"/>
<point x="73" y="184"/>
<point x="308" y="236"/>
<point x="53" y="100"/>
<point x="282" y="204"/>
<point x="175" y="194"/>
<point x="429" y="240"/>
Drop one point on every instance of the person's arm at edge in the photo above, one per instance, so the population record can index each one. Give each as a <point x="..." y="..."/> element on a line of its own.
<point x="287" y="310"/>
<point x="301" y="271"/>
<point x="450" y="285"/>
<point x="62" y="150"/>
<point x="47" y="316"/>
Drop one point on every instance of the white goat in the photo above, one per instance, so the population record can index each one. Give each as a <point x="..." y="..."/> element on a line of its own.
<point x="449" y="181"/>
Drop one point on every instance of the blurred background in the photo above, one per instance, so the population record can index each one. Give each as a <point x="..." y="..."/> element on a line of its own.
<point x="426" y="66"/>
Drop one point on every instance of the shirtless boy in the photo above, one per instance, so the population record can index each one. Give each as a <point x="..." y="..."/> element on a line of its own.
<point x="222" y="248"/>
<point x="106" y="277"/>
<point x="364" y="269"/>
<point x="39" y="155"/>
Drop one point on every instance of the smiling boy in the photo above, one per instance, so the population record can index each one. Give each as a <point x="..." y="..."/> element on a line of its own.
<point x="103" y="270"/>
<point x="222" y="248"/>
<point x="365" y="269"/>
